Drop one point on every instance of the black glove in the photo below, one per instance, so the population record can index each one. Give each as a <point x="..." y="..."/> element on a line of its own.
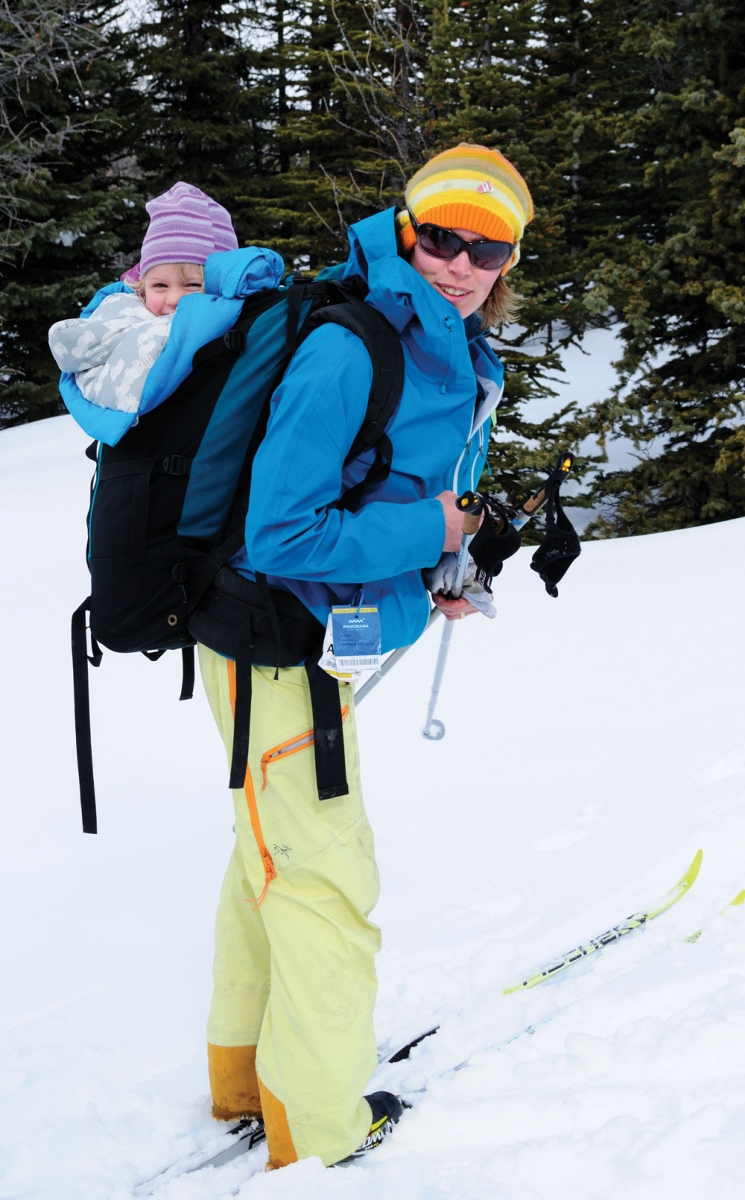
<point x="494" y="541"/>
<point x="559" y="548"/>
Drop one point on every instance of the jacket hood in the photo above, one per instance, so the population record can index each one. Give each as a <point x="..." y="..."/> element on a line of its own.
<point x="396" y="289"/>
<point x="399" y="291"/>
<point x="402" y="294"/>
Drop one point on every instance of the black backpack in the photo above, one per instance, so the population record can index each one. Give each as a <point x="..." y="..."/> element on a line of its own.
<point x="168" y="508"/>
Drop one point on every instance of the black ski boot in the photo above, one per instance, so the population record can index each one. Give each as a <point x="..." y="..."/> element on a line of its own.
<point x="386" y="1112"/>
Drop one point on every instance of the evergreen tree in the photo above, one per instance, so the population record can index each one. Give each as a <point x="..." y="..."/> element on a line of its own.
<point x="517" y="77"/>
<point x="67" y="210"/>
<point x="674" y="274"/>
<point x="354" y="129"/>
<point x="210" y="112"/>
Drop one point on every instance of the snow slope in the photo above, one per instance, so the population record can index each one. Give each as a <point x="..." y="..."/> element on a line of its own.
<point x="593" y="744"/>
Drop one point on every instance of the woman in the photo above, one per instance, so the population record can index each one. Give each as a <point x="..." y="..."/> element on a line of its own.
<point x="290" y="1029"/>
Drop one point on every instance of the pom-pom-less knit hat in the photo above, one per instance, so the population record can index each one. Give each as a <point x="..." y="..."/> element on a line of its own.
<point x="186" y="226"/>
<point x="469" y="187"/>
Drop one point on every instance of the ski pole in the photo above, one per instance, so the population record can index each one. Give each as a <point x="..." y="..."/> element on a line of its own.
<point x="391" y="661"/>
<point x="537" y="501"/>
<point x="433" y="728"/>
<point x="471" y="505"/>
<point x="529" y="509"/>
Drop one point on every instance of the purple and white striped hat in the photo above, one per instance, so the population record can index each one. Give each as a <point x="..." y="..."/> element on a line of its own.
<point x="186" y="225"/>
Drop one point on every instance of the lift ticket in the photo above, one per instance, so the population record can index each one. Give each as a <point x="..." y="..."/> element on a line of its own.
<point x="352" y="641"/>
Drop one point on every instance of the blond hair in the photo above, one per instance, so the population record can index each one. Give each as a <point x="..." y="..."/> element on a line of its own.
<point x="501" y="306"/>
<point x="139" y="287"/>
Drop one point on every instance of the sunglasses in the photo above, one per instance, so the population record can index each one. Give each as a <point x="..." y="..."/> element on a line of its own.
<point x="443" y="243"/>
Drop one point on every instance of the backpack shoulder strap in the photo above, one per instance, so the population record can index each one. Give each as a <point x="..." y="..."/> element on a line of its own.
<point x="383" y="344"/>
<point x="231" y="344"/>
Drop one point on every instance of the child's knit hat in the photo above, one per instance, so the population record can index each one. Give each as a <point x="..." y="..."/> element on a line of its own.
<point x="186" y="226"/>
<point x="469" y="187"/>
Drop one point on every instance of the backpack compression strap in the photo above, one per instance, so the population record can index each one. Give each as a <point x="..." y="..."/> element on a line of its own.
<point x="81" y="693"/>
<point x="80" y="660"/>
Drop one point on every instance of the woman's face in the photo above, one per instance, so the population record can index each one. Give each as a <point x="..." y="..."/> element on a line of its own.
<point x="465" y="286"/>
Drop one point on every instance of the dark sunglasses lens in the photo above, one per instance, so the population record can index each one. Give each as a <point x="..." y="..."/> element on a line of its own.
<point x="491" y="255"/>
<point x="443" y="243"/>
<point x="438" y="241"/>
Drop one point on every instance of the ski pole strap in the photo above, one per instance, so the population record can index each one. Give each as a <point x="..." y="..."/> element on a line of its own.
<point x="538" y="500"/>
<point x="80" y="660"/>
<point x="561" y="546"/>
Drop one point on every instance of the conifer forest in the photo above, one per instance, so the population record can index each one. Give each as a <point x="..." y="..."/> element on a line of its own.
<point x="301" y="116"/>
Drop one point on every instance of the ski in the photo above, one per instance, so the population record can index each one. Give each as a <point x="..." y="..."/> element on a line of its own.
<point x="249" y="1132"/>
<point x="735" y="902"/>
<point x="643" y="917"/>
<point x="238" y="1139"/>
<point x="401" y="1051"/>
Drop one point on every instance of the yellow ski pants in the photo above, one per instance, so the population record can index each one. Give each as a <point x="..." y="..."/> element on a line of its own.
<point x="290" y="1029"/>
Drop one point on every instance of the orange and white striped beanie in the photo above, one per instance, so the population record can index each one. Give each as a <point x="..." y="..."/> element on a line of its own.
<point x="469" y="187"/>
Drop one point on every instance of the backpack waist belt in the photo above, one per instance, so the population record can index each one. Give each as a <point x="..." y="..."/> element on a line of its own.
<point x="253" y="623"/>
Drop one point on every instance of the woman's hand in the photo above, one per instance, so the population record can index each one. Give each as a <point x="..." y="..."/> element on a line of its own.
<point x="453" y="521"/>
<point x="453" y="609"/>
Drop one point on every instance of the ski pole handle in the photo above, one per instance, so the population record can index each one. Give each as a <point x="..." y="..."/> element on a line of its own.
<point x="537" y="501"/>
<point x="471" y="505"/>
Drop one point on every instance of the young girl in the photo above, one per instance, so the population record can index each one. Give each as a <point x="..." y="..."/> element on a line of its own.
<point x="111" y="352"/>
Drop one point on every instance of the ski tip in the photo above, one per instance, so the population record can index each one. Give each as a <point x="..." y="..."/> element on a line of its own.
<point x="684" y="884"/>
<point x="633" y="922"/>
<point x="735" y="902"/>
<point x="692" y="873"/>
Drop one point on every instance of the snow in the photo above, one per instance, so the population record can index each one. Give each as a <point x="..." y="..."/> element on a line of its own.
<point x="593" y="744"/>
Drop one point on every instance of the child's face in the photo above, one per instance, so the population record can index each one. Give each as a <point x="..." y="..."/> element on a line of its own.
<point x="165" y="285"/>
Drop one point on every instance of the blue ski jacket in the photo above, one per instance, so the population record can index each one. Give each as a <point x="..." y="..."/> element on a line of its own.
<point x="229" y="277"/>
<point x="294" y="533"/>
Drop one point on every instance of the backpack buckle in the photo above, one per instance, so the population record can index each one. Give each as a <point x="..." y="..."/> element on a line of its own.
<point x="235" y="340"/>
<point x="176" y="464"/>
<point x="372" y="433"/>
